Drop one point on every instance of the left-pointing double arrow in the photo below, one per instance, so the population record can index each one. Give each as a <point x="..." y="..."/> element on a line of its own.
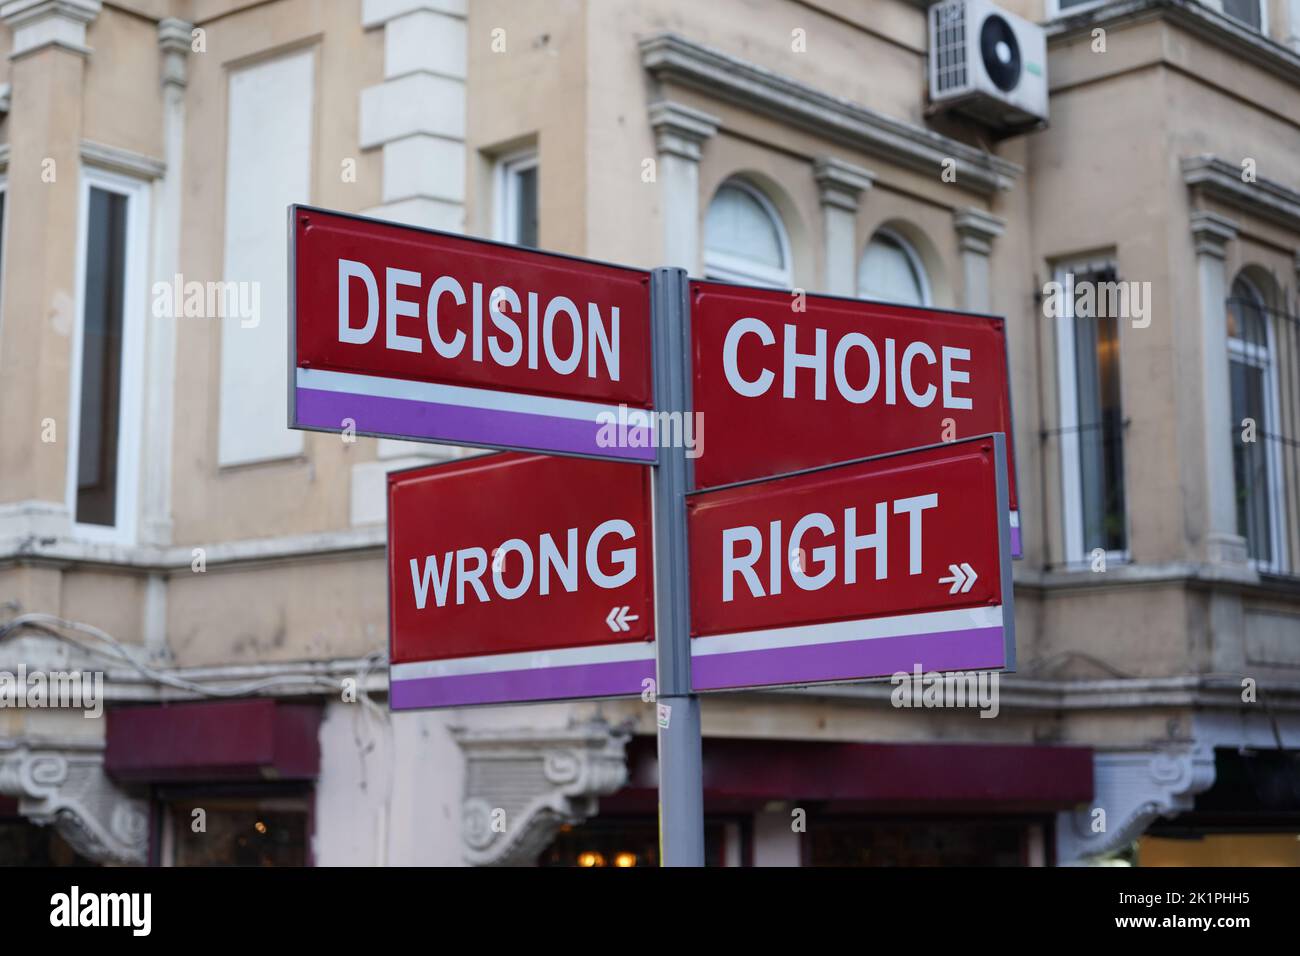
<point x="618" y="619"/>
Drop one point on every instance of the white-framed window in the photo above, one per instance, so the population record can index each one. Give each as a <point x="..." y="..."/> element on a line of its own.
<point x="1252" y="382"/>
<point x="108" y="344"/>
<point x="890" y="270"/>
<point x="1066" y="8"/>
<point x="745" y="239"/>
<point x="1091" y="433"/>
<point x="4" y="234"/>
<point x="516" y="199"/>
<point x="1251" y="13"/>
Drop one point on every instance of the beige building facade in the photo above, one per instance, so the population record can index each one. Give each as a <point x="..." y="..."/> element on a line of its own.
<point x="161" y="525"/>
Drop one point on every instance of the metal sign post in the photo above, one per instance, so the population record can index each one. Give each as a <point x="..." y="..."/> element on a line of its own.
<point x="681" y="785"/>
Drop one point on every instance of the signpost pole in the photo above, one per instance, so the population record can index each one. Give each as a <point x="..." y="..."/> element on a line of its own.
<point x="681" y="788"/>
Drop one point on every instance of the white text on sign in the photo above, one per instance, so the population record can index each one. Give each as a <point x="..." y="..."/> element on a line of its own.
<point x="506" y="346"/>
<point x="852" y="543"/>
<point x="897" y="369"/>
<point x="472" y="567"/>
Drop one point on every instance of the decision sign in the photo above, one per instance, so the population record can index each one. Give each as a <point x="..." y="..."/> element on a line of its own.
<point x="517" y="577"/>
<point x="401" y="332"/>
<point x="854" y="571"/>
<point x="799" y="382"/>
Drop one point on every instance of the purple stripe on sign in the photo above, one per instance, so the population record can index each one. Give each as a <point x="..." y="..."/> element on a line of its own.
<point x="975" y="649"/>
<point x="612" y="679"/>
<point x="406" y="418"/>
<point x="1015" y="542"/>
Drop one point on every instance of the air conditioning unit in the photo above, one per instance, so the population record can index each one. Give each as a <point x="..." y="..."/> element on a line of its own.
<point x="988" y="65"/>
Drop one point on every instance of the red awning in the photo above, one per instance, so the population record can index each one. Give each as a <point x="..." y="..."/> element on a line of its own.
<point x="259" y="739"/>
<point x="745" y="774"/>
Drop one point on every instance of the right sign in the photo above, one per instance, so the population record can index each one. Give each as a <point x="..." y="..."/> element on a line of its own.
<point x="797" y="381"/>
<point x="853" y="571"/>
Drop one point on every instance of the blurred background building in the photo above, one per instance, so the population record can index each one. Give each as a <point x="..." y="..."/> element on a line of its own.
<point x="229" y="572"/>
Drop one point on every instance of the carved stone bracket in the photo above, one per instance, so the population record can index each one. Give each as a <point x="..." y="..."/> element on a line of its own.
<point x="522" y="785"/>
<point x="1133" y="789"/>
<point x="67" y="788"/>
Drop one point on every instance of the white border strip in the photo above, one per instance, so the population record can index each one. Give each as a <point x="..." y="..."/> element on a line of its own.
<point x="462" y="396"/>
<point x="804" y="635"/>
<point x="525" y="660"/>
<point x="1015" y="519"/>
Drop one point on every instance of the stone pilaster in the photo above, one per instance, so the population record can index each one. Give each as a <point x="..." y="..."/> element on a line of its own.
<point x="840" y="186"/>
<point x="976" y="230"/>
<point x="1211" y="234"/>
<point x="680" y="133"/>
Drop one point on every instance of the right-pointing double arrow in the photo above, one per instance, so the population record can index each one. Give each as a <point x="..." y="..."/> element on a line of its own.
<point x="963" y="576"/>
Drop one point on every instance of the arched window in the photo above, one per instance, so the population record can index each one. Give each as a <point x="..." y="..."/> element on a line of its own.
<point x="1254" y="422"/>
<point x="891" y="271"/>
<point x="744" y="238"/>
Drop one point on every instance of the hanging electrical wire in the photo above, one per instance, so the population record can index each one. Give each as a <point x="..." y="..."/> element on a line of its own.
<point x="110" y="647"/>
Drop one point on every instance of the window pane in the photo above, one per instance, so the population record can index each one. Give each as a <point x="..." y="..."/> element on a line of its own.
<point x="850" y="842"/>
<point x="1247" y="11"/>
<point x="2" y="223"/>
<point x="1246" y="316"/>
<point x="525" y="211"/>
<point x="889" y="274"/>
<point x="739" y="226"/>
<point x="1100" y="428"/>
<point x="101" y="359"/>
<point x="237" y="836"/>
<point x="1250" y="459"/>
<point x="621" y="842"/>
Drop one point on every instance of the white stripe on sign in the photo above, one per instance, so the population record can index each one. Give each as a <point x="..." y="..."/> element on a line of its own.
<point x="459" y="395"/>
<point x="803" y="635"/>
<point x="1015" y="519"/>
<point x="526" y="660"/>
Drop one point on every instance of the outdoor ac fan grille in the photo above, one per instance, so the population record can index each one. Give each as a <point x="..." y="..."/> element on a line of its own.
<point x="948" y="46"/>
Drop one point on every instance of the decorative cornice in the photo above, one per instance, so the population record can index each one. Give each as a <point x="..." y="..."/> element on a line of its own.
<point x="1221" y="181"/>
<point x="1211" y="233"/>
<point x="522" y="785"/>
<point x="841" y="184"/>
<point x="669" y="57"/>
<point x="122" y="160"/>
<point x="37" y="24"/>
<point x="681" y="130"/>
<point x="1195" y="17"/>
<point x="1019" y="693"/>
<point x="34" y="540"/>
<point x="976" y="230"/>
<point x="1132" y="789"/>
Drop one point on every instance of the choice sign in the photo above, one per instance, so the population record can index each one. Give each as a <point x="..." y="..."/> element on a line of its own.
<point x="797" y="382"/>
<point x="853" y="571"/>
<point x="401" y="332"/>
<point x="519" y="577"/>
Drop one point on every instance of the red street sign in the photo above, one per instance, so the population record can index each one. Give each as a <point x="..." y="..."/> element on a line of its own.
<point x="519" y="577"/>
<point x="853" y="571"/>
<point x="401" y="332"/>
<point x="782" y="390"/>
